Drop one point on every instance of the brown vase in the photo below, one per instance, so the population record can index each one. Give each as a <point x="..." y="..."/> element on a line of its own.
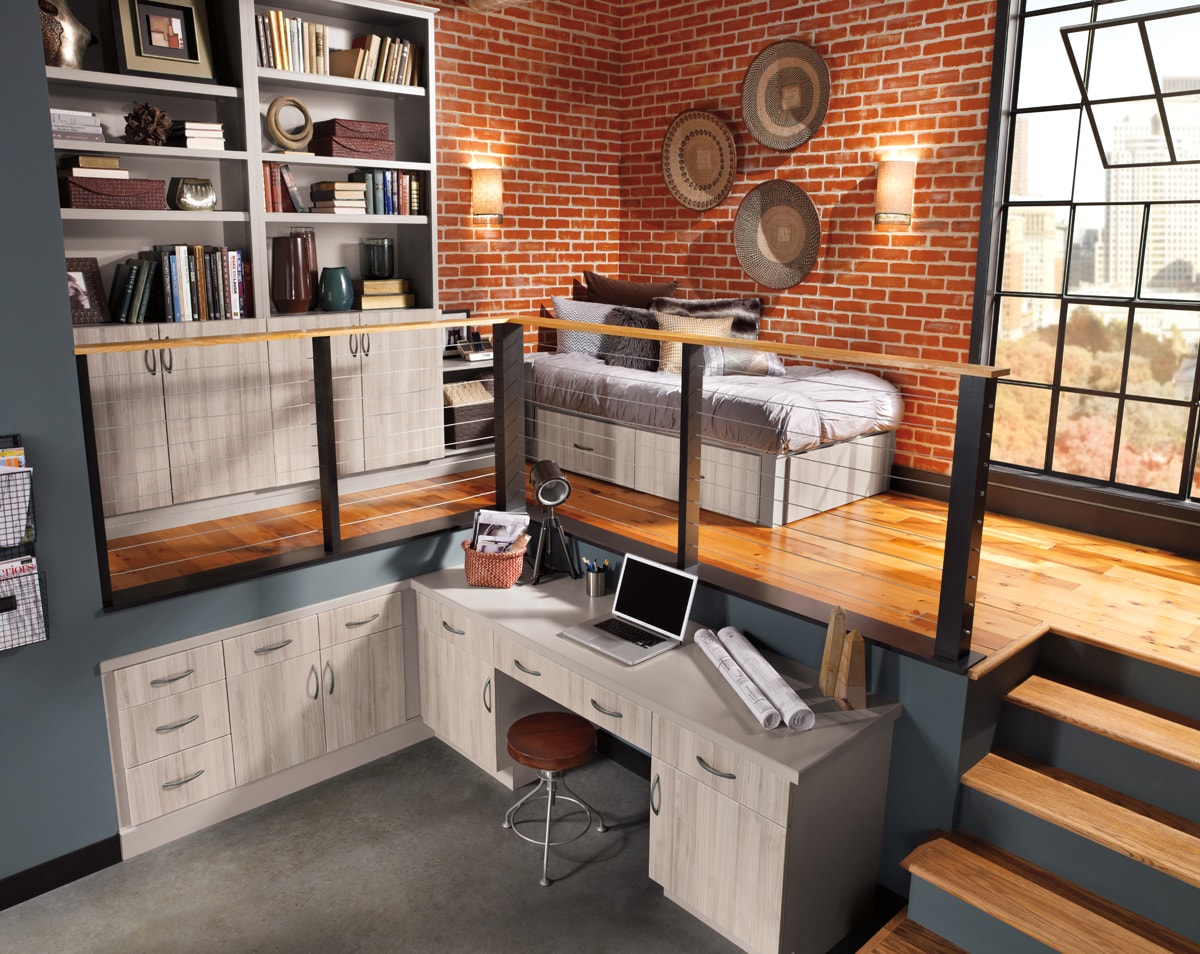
<point x="291" y="280"/>
<point x="310" y="260"/>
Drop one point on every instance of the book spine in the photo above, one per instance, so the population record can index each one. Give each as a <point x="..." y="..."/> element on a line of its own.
<point x="139" y="289"/>
<point x="184" y="298"/>
<point x="119" y="280"/>
<point x="231" y="284"/>
<point x="151" y="292"/>
<point x="386" y="175"/>
<point x="246" y="274"/>
<point x="377" y="189"/>
<point x="289" y="182"/>
<point x="394" y="186"/>
<point x="196" y="273"/>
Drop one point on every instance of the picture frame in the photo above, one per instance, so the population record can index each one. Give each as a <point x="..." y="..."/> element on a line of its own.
<point x="163" y="38"/>
<point x="85" y="291"/>
<point x="453" y="334"/>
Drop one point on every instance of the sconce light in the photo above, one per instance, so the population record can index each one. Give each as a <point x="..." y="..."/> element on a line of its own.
<point x="487" y="194"/>
<point x="894" y="191"/>
<point x="550" y="488"/>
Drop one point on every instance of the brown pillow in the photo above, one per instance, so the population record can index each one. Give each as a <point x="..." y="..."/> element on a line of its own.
<point x="614" y="291"/>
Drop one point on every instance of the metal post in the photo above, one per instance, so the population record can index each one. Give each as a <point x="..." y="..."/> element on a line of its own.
<point x="92" y="455"/>
<point x="691" y="401"/>
<point x="326" y="443"/>
<point x="508" y="344"/>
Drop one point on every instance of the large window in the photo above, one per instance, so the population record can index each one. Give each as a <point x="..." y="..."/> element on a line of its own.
<point x="1097" y="308"/>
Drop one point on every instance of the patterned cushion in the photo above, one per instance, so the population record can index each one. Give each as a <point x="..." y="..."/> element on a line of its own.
<point x="670" y="353"/>
<point x="638" y="353"/>
<point x="613" y="291"/>
<point x="587" y="312"/>
<point x="717" y="359"/>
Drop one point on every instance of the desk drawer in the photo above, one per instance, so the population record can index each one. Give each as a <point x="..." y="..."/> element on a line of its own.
<point x="722" y="770"/>
<point x="611" y="711"/>
<point x="344" y="623"/>
<point x="184" y="778"/>
<point x="266" y="647"/>
<point x="159" y="678"/>
<point x="177" y="722"/>
<point x="458" y="629"/>
<point x="534" y="670"/>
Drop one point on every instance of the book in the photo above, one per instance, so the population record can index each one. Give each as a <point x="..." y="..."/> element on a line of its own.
<point x="346" y="63"/>
<point x="380" y="286"/>
<point x="363" y="178"/>
<point x="339" y="208"/>
<point x="337" y="185"/>
<point x="289" y="184"/>
<point x="151" y="301"/>
<point x="197" y="128"/>
<point x="90" y="162"/>
<point x="75" y="136"/>
<point x="63" y="118"/>
<point x="140" y="288"/>
<point x="373" y="302"/>
<point x="194" y="142"/>
<point x="83" y="172"/>
<point x="116" y="294"/>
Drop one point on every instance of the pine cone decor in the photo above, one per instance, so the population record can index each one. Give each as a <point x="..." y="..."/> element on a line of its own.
<point x="147" y="125"/>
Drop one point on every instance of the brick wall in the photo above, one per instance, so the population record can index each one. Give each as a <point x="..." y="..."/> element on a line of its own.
<point x="573" y="99"/>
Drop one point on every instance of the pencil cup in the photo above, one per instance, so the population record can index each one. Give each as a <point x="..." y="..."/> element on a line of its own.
<point x="594" y="581"/>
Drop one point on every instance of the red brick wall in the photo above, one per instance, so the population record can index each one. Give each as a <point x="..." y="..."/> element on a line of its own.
<point x="575" y="98"/>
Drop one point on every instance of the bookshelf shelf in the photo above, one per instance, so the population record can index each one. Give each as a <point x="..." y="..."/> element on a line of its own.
<point x="293" y="78"/>
<point x="319" y="218"/>
<point x="169" y="153"/>
<point x="138" y="215"/>
<point x="92" y="79"/>
<point x="345" y="162"/>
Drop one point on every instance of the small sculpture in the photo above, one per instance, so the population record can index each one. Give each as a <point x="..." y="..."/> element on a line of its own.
<point x="147" y="125"/>
<point x="64" y="38"/>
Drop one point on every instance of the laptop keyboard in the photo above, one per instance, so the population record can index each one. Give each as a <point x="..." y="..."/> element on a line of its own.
<point x="629" y="632"/>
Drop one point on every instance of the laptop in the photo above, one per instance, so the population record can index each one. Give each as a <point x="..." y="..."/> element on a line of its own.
<point x="649" y="614"/>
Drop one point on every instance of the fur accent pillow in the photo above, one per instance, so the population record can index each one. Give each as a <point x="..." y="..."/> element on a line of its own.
<point x="638" y="353"/>
<point x="586" y="312"/>
<point x="746" y="312"/>
<point x="717" y="359"/>
<point x="613" y="291"/>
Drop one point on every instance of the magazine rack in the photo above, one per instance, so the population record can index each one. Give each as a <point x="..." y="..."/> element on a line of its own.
<point x="22" y="611"/>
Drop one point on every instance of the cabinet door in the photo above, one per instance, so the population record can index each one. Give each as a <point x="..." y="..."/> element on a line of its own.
<point x="363" y="684"/>
<point x="275" y="716"/>
<point x="402" y="398"/>
<point x="457" y="699"/>
<point x="717" y="857"/>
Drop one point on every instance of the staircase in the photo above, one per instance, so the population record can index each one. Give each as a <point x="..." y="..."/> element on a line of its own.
<point x="1079" y="831"/>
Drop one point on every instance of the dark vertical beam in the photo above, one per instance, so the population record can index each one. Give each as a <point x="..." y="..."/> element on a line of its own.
<point x="691" y="402"/>
<point x="92" y="455"/>
<point x="508" y="344"/>
<point x="964" y="524"/>
<point x="326" y="443"/>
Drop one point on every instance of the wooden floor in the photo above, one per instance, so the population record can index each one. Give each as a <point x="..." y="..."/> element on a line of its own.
<point x="880" y="559"/>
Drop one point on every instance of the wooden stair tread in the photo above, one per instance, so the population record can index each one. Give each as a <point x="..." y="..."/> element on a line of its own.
<point x="1142" y="832"/>
<point x="1036" y="902"/>
<point x="902" y="936"/>
<point x="1170" y="738"/>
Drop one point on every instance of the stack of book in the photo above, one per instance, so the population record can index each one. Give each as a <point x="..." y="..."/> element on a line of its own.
<point x="135" y="285"/>
<point x="91" y="167"/>
<point x="390" y="191"/>
<point x="203" y="282"/>
<point x="384" y="59"/>
<point x="193" y="135"/>
<point x="292" y="43"/>
<point x="375" y="293"/>
<point x="77" y="125"/>
<point x="332" y="197"/>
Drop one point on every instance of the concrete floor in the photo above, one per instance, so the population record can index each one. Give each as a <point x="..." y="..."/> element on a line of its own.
<point x="403" y="855"/>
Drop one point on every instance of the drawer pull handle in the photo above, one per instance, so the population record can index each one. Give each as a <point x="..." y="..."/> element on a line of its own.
<point x="656" y="794"/>
<point x="717" y="772"/>
<point x="612" y="715"/>
<point x="180" y="782"/>
<point x="264" y="650"/>
<point x="167" y="680"/>
<point x="450" y="629"/>
<point x="580" y="447"/>
<point x="164" y="729"/>
<point x="362" y="622"/>
<point x="487" y="694"/>
<point x="525" y="669"/>
<point x="329" y="673"/>
<point x="316" y="681"/>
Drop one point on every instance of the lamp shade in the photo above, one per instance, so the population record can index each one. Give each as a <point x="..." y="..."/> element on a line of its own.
<point x="894" y="191"/>
<point x="487" y="193"/>
<point x="550" y="487"/>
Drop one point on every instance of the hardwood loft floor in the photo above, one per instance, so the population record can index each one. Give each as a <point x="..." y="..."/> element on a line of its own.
<point x="880" y="558"/>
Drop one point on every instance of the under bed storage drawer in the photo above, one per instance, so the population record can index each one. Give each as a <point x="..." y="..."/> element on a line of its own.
<point x="836" y="474"/>
<point x="586" y="445"/>
<point x="729" y="479"/>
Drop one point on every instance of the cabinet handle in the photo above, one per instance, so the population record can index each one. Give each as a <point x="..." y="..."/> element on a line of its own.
<point x="264" y="650"/>
<point x="167" y="786"/>
<point x="525" y="669"/>
<point x="450" y="629"/>
<point x="329" y="673"/>
<point x="316" y="681"/>
<point x="656" y="794"/>
<point x="354" y="346"/>
<point x="164" y="729"/>
<point x="612" y="715"/>
<point x="354" y="624"/>
<point x="168" y="360"/>
<point x="487" y="694"/>
<point x="167" y="680"/>
<point x="150" y="360"/>
<point x="717" y="772"/>
<point x="580" y="447"/>
<point x="366" y="343"/>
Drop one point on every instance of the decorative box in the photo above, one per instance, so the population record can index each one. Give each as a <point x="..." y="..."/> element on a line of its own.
<point x="87" y="193"/>
<point x="357" y="128"/>
<point x="353" y="147"/>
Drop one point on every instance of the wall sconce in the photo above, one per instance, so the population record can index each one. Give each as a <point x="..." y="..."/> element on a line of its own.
<point x="487" y="194"/>
<point x="894" y="191"/>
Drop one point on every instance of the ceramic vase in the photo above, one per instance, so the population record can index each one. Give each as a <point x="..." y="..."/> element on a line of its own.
<point x="310" y="258"/>
<point x="335" y="291"/>
<point x="291" y="279"/>
<point x="193" y="195"/>
<point x="64" y="38"/>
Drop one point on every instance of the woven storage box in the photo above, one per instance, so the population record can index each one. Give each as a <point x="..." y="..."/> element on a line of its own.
<point x="146" y="194"/>
<point x="359" y="128"/>
<point x="354" y="147"/>
<point x="495" y="570"/>
<point x="471" y="423"/>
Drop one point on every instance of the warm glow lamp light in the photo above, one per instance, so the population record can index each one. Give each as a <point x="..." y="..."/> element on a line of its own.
<point x="550" y="488"/>
<point x="894" y="191"/>
<point x="487" y="194"/>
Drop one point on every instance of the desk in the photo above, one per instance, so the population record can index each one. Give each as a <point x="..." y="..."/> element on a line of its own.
<point x="770" y="837"/>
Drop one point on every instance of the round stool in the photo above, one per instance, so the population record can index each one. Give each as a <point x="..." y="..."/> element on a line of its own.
<point x="552" y="743"/>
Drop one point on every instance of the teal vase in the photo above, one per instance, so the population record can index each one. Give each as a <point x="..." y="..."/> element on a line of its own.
<point x="335" y="290"/>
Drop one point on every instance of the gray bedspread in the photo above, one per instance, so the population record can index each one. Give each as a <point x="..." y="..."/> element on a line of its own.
<point x="776" y="415"/>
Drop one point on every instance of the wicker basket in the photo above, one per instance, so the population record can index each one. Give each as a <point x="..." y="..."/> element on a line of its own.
<point x="495" y="570"/>
<point x="468" y="425"/>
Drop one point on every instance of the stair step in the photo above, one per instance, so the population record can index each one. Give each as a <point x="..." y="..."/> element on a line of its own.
<point x="1039" y="904"/>
<point x="902" y="936"/>
<point x="1164" y="734"/>
<point x="1148" y="835"/>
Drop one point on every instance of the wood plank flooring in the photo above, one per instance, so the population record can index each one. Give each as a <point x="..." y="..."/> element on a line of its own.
<point x="878" y="558"/>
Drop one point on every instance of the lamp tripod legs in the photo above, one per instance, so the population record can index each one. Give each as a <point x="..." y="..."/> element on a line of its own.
<point x="545" y="545"/>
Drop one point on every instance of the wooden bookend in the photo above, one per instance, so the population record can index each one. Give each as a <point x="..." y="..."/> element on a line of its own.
<point x="851" y="689"/>
<point x="834" y="636"/>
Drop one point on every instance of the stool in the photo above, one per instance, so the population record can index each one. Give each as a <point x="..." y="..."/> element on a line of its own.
<point x="552" y="743"/>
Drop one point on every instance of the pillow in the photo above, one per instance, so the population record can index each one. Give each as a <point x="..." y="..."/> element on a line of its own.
<point x="670" y="353"/>
<point x="638" y="353"/>
<point x="613" y="291"/>
<point x="717" y="359"/>
<point x="579" y="291"/>
<point x="745" y="312"/>
<point x="582" y="342"/>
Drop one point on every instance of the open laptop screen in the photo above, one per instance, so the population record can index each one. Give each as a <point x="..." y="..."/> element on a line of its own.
<point x="654" y="596"/>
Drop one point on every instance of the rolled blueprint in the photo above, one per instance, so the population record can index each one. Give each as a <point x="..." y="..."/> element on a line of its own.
<point x="766" y="714"/>
<point x="796" y="714"/>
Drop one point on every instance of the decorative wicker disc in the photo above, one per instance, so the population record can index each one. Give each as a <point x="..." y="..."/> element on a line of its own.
<point x="777" y="233"/>
<point x="699" y="159"/>
<point x="785" y="94"/>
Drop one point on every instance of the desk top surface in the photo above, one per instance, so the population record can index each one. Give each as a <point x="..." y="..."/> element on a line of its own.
<point x="681" y="685"/>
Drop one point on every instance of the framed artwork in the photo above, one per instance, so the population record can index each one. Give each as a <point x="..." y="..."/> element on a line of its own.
<point x="86" y="292"/>
<point x="455" y="333"/>
<point x="163" y="38"/>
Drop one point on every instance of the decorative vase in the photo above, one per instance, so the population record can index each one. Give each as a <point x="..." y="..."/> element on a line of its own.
<point x="336" y="291"/>
<point x="193" y="195"/>
<point x="310" y="258"/>
<point x="291" y="279"/>
<point x="377" y="257"/>
<point x="64" y="38"/>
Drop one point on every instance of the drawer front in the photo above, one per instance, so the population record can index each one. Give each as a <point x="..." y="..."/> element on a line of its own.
<point x="722" y="770"/>
<point x="265" y="647"/>
<point x="730" y="482"/>
<point x="586" y="445"/>
<point x="178" y="722"/>
<point x="159" y="678"/>
<point x="168" y="784"/>
<point x="349" y="622"/>
<point x="611" y="711"/>
<point x="534" y="670"/>
<point x="456" y="628"/>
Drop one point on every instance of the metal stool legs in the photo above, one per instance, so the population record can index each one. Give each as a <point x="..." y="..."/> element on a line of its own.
<point x="552" y="781"/>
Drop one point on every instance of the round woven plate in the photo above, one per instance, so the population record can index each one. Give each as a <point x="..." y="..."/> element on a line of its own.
<point x="699" y="159"/>
<point x="785" y="94"/>
<point x="777" y="234"/>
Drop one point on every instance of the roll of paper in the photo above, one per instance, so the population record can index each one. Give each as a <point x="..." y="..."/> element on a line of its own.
<point x="796" y="714"/>
<point x="766" y="714"/>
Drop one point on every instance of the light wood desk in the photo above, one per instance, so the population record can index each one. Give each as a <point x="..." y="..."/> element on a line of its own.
<point x="770" y="837"/>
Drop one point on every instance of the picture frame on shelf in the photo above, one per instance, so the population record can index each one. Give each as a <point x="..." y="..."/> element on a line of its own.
<point x="163" y="38"/>
<point x="85" y="291"/>
<point x="453" y="334"/>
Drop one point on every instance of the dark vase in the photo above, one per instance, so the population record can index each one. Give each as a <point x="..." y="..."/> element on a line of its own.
<point x="291" y="279"/>
<point x="310" y="258"/>
<point x="336" y="292"/>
